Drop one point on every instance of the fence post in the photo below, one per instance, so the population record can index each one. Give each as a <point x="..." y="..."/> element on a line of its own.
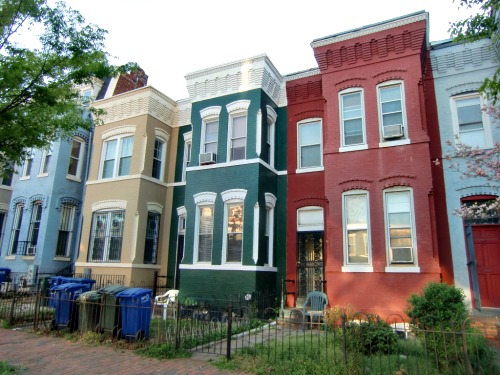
<point x="229" y="333"/>
<point x="468" y="368"/>
<point x="177" y="317"/>
<point x="344" y="338"/>
<point x="155" y="283"/>
<point x="37" y="305"/>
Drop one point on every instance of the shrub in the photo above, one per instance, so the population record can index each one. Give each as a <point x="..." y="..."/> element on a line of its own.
<point x="335" y="313"/>
<point x="371" y="336"/>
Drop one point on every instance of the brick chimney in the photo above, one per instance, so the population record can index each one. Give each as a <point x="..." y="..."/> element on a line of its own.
<point x="131" y="81"/>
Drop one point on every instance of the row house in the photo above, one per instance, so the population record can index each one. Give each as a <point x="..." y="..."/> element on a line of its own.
<point x="472" y="261"/>
<point x="360" y="189"/>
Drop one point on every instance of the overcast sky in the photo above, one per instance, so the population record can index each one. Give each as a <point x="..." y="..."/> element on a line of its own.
<point x="169" y="39"/>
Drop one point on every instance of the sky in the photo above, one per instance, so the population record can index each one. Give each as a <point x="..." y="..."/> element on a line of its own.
<point x="170" y="39"/>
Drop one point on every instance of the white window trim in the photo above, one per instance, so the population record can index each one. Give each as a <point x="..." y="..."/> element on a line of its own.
<point x="208" y="114"/>
<point x="236" y="109"/>
<point x="359" y="146"/>
<point x="270" y="205"/>
<point x="488" y="137"/>
<point x="356" y="267"/>
<point x="271" y="127"/>
<point x="24" y="174"/>
<point x="200" y="200"/>
<point x="116" y="166"/>
<point x="315" y="168"/>
<point x="46" y="152"/>
<point x="401" y="267"/>
<point x="311" y="228"/>
<point x="406" y="133"/>
<point x="233" y="196"/>
<point x="162" y="157"/>
<point x="188" y="151"/>
<point x="78" y="175"/>
<point x="71" y="222"/>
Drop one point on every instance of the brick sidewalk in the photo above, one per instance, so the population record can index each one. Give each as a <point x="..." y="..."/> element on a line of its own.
<point x="45" y="355"/>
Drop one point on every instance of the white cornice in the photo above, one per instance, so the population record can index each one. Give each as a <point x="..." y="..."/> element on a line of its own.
<point x="303" y="74"/>
<point x="253" y="73"/>
<point x="423" y="16"/>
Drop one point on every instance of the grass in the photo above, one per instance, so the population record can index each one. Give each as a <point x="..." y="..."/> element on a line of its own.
<point x="6" y="369"/>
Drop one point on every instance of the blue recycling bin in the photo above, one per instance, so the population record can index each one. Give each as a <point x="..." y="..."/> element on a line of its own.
<point x="4" y="274"/>
<point x="66" y="311"/>
<point x="58" y="280"/>
<point x="135" y="311"/>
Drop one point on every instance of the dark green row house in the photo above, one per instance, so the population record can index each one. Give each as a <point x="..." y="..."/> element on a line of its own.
<point x="230" y="184"/>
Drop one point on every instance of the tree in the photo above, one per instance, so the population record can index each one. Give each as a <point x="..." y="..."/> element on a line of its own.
<point x="484" y="24"/>
<point x="38" y="99"/>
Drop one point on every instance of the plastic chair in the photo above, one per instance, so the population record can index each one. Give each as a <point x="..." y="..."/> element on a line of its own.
<point x="314" y="307"/>
<point x="167" y="300"/>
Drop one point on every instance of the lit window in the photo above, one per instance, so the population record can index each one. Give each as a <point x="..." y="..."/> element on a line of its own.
<point x="470" y="123"/>
<point x="310" y="144"/>
<point x="64" y="237"/>
<point x="352" y="118"/>
<point x="152" y="235"/>
<point x="391" y="111"/>
<point x="106" y="236"/>
<point x="158" y="157"/>
<point x="117" y="157"/>
<point x="234" y="232"/>
<point x="75" y="158"/>
<point x="356" y="234"/>
<point x="399" y="226"/>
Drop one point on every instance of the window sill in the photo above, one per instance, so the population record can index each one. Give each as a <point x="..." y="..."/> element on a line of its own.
<point x="309" y="170"/>
<point x="62" y="259"/>
<point x="10" y="257"/>
<point x="42" y="175"/>
<point x="352" y="268"/>
<point x="353" y="148"/>
<point x="28" y="257"/>
<point x="403" y="269"/>
<point x="399" y="142"/>
<point x="73" y="178"/>
<point x="24" y="178"/>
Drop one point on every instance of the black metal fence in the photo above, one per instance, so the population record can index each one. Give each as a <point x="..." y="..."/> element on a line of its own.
<point x="249" y="325"/>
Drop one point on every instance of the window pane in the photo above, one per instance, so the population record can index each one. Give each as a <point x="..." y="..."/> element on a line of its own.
<point x="75" y="149"/>
<point x="107" y="170"/>
<point x="310" y="133"/>
<point x="402" y="219"/>
<point x="357" y="246"/>
<point x="351" y="104"/>
<point x="152" y="233"/>
<point x="393" y="119"/>
<point x="356" y="209"/>
<point x="205" y="234"/>
<point x="239" y="126"/>
<point x="310" y="156"/>
<point x="127" y="145"/>
<point x="353" y="132"/>
<point x="124" y="166"/>
<point x="391" y="107"/>
<point x="110" y="149"/>
<point x="211" y="131"/>
<point x="234" y="247"/>
<point x="390" y="93"/>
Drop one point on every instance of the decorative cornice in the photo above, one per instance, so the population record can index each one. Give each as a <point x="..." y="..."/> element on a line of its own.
<point x="68" y="200"/>
<point x="238" y="194"/>
<point x="127" y="129"/>
<point x="464" y="87"/>
<point x="270" y="200"/>
<point x="156" y="207"/>
<point x="38" y="198"/>
<point x="205" y="197"/>
<point x="210" y="111"/>
<point x="109" y="204"/>
<point x="162" y="134"/>
<point x="4" y="207"/>
<point x="390" y="71"/>
<point x="302" y="74"/>
<point x="271" y="114"/>
<point x="253" y="73"/>
<point x="238" y="105"/>
<point x="371" y="29"/>
<point x="181" y="211"/>
<point x="188" y="136"/>
<point x="462" y="58"/>
<point x="350" y="79"/>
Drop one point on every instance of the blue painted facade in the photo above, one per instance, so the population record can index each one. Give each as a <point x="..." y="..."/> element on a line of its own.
<point x="458" y="71"/>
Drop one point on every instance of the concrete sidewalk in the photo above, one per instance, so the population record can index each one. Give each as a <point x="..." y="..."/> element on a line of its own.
<point x="46" y="355"/>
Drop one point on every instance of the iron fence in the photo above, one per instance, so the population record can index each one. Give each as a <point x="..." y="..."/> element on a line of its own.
<point x="359" y="345"/>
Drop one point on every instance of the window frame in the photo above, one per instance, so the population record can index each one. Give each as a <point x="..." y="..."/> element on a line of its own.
<point x="158" y="159"/>
<point x="3" y="220"/>
<point x="270" y="136"/>
<point x="188" y="149"/>
<point x="117" y="157"/>
<point x="228" y="204"/>
<point x="66" y="225"/>
<point x="314" y="227"/>
<point x="203" y="143"/>
<point x="269" y="228"/>
<point x="27" y="165"/>
<point x="487" y="133"/>
<point x="405" y="137"/>
<point x="45" y="162"/>
<point x="155" y="238"/>
<point x="17" y="223"/>
<point x="301" y="124"/>
<point x="405" y="266"/>
<point x="231" y="138"/>
<point x="198" y="234"/>
<point x="107" y="236"/>
<point x="79" y="160"/>
<point x="34" y="227"/>
<point x="346" y="229"/>
<point x="356" y="146"/>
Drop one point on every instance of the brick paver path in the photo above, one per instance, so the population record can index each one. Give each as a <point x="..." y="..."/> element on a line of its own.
<point x="45" y="355"/>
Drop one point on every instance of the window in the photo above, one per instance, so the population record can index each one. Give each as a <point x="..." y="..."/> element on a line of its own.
<point x="399" y="226"/>
<point x="391" y="111"/>
<point x="211" y="134"/>
<point x="75" y="158"/>
<point x="271" y="121"/>
<point x="86" y="97"/>
<point x="310" y="219"/>
<point x="205" y="234"/>
<point x="66" y="222"/>
<point x="356" y="233"/>
<point x="187" y="158"/>
<point x="106" y="236"/>
<point x="269" y="230"/>
<point x="16" y="228"/>
<point x="152" y="234"/>
<point x="3" y="216"/>
<point x="158" y="157"/>
<point x="28" y="163"/>
<point x="234" y="232"/>
<point x="6" y="178"/>
<point x="238" y="138"/>
<point x="46" y="156"/>
<point x="36" y="217"/>
<point x="117" y="157"/>
<point x="352" y="118"/>
<point x="471" y="125"/>
<point x="310" y="144"/>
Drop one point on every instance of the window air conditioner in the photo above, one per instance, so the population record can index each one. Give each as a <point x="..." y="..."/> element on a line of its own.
<point x="401" y="255"/>
<point x="208" y="158"/>
<point x="392" y="131"/>
<point x="31" y="250"/>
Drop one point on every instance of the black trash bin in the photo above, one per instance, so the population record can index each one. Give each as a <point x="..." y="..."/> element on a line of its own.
<point x="110" y="314"/>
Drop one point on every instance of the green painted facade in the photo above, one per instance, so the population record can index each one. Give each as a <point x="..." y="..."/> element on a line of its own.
<point x="256" y="178"/>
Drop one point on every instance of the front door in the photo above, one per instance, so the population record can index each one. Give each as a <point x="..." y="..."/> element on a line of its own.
<point x="309" y="263"/>
<point x="487" y="254"/>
